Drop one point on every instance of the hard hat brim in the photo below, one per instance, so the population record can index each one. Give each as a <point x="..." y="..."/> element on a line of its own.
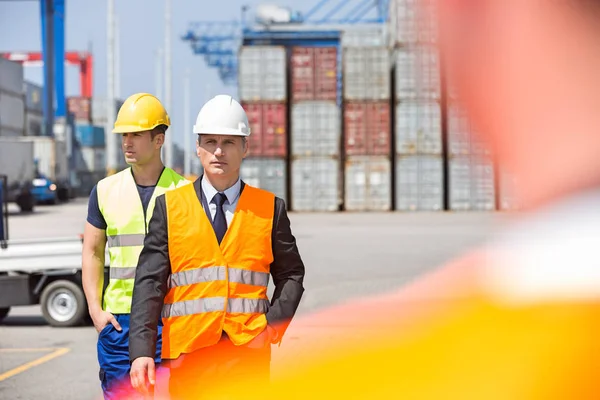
<point x="220" y="131"/>
<point x="132" y="128"/>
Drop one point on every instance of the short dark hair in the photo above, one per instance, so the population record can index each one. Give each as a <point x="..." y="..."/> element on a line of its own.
<point x="157" y="130"/>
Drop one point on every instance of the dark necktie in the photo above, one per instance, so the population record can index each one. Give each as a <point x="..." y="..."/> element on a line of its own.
<point x="220" y="222"/>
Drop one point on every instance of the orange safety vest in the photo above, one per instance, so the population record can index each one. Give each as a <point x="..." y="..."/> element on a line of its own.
<point x="215" y="288"/>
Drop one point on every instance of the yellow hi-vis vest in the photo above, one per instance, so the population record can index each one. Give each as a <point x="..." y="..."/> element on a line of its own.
<point x="127" y="225"/>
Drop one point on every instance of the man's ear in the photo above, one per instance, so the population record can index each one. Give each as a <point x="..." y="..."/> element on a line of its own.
<point x="160" y="139"/>
<point x="246" y="144"/>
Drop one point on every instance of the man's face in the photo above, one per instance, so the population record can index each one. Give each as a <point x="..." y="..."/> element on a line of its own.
<point x="139" y="148"/>
<point x="221" y="154"/>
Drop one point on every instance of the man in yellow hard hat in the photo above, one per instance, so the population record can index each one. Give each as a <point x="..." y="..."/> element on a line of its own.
<point x="119" y="209"/>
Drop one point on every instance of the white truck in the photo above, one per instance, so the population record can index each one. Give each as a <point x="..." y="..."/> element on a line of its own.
<point x="17" y="164"/>
<point x="42" y="271"/>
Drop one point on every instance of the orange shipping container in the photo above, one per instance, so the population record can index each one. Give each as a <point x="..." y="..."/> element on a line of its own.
<point x="80" y="107"/>
<point x="268" y="129"/>
<point x="367" y="128"/>
<point x="314" y="73"/>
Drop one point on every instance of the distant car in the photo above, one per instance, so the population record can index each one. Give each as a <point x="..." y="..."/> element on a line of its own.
<point x="44" y="190"/>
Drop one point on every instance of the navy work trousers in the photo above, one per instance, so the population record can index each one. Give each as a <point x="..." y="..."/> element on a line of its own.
<point x="113" y="357"/>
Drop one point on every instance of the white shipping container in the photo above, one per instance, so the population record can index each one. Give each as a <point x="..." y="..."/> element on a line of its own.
<point x="417" y="73"/>
<point x="367" y="37"/>
<point x="100" y="110"/>
<point x="419" y="183"/>
<point x="34" y="123"/>
<point x="10" y="133"/>
<point x="267" y="174"/>
<point x="316" y="128"/>
<point x="91" y="159"/>
<point x="16" y="160"/>
<point x="315" y="184"/>
<point x="368" y="183"/>
<point x="12" y="111"/>
<point x="414" y="21"/>
<point x="50" y="155"/>
<point x="418" y="127"/>
<point x="471" y="182"/>
<point x="367" y="73"/>
<point x="508" y="192"/>
<point x="462" y="139"/>
<point x="11" y="76"/>
<point x="262" y="73"/>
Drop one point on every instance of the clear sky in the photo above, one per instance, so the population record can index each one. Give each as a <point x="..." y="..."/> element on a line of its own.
<point x="141" y="24"/>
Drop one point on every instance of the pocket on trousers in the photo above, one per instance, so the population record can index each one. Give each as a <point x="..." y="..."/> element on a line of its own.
<point x="106" y="329"/>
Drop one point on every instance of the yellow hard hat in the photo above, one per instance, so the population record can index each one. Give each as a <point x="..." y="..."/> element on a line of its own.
<point x="141" y="112"/>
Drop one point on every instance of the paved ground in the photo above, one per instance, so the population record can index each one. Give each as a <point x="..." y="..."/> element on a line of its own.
<point x="346" y="255"/>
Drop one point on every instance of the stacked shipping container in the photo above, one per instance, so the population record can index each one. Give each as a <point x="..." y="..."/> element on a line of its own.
<point x="418" y="117"/>
<point x="89" y="118"/>
<point x="382" y="130"/>
<point x="12" y="102"/>
<point x="263" y="94"/>
<point x="508" y="196"/>
<point x="315" y="129"/>
<point x="470" y="165"/>
<point x="476" y="183"/>
<point x="367" y="125"/>
<point x="34" y="116"/>
<point x="21" y="118"/>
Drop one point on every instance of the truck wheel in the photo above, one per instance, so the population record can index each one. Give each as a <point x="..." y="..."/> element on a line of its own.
<point x="26" y="203"/>
<point x="4" y="312"/>
<point x="63" y="304"/>
<point x="63" y="194"/>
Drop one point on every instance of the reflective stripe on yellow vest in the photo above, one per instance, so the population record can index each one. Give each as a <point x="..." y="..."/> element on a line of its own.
<point x="216" y="288"/>
<point x="121" y="206"/>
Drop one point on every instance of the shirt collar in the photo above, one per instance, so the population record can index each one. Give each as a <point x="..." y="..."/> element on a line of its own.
<point x="231" y="193"/>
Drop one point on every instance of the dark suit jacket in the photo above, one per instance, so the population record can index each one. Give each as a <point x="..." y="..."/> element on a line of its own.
<point x="154" y="267"/>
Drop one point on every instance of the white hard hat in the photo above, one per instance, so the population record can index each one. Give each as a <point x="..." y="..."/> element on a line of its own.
<point x="222" y="115"/>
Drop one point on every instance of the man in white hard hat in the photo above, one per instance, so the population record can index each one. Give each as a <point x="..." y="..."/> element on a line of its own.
<point x="205" y="269"/>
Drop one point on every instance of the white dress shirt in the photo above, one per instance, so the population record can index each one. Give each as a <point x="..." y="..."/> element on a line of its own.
<point x="232" y="194"/>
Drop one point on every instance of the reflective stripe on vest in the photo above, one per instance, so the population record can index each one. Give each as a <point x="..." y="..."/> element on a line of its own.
<point x="208" y="274"/>
<point x="212" y="304"/>
<point x="125" y="240"/>
<point x="214" y="287"/>
<point x="120" y="204"/>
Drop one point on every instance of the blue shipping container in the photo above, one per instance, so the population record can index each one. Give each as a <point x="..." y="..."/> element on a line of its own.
<point x="89" y="135"/>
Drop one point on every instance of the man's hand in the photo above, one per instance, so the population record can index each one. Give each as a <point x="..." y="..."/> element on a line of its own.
<point x="142" y="374"/>
<point x="102" y="318"/>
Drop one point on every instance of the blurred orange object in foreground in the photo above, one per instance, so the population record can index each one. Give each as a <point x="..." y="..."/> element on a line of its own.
<point x="465" y="347"/>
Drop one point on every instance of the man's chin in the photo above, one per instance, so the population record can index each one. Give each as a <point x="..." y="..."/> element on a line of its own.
<point x="214" y="170"/>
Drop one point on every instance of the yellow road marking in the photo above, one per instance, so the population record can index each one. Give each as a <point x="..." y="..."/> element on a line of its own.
<point x="56" y="353"/>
